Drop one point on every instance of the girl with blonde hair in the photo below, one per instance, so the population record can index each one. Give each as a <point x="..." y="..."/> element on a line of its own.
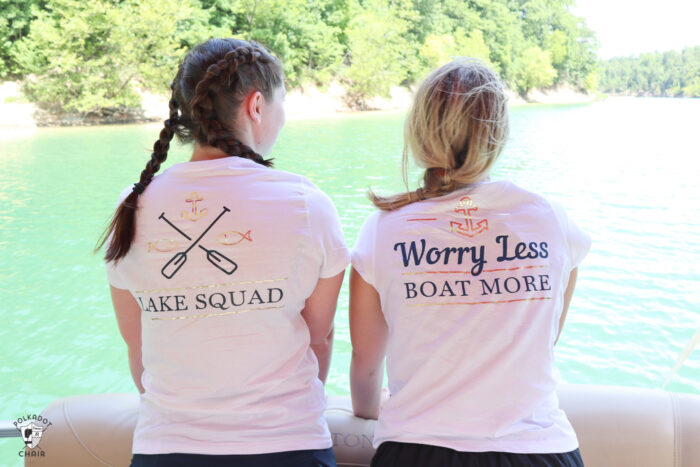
<point x="224" y="275"/>
<point x="463" y="284"/>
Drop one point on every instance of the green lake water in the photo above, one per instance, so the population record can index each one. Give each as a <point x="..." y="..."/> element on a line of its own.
<point x="626" y="169"/>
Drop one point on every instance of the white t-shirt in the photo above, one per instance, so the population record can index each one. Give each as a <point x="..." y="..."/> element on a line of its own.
<point x="225" y="254"/>
<point x="472" y="288"/>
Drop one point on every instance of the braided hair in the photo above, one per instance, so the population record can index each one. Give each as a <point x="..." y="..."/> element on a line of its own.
<point x="209" y="87"/>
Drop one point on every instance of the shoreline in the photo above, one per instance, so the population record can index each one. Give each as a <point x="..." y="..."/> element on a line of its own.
<point x="307" y="104"/>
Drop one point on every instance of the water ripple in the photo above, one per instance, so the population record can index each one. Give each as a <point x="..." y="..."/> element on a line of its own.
<point x="637" y="302"/>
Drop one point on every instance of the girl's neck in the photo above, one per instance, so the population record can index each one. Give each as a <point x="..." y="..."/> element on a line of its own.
<point x="205" y="153"/>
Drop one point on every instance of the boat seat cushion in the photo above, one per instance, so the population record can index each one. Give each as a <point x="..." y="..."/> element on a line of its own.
<point x="616" y="426"/>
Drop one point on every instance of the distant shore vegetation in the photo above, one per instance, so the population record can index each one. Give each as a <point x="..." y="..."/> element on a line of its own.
<point x="667" y="74"/>
<point x="85" y="57"/>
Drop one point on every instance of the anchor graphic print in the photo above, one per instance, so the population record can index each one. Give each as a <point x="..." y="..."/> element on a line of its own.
<point x="470" y="228"/>
<point x="194" y="213"/>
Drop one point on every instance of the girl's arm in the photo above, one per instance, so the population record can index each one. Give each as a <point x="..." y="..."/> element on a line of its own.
<point x="318" y="313"/>
<point x="128" y="314"/>
<point x="567" y="299"/>
<point x="368" y="332"/>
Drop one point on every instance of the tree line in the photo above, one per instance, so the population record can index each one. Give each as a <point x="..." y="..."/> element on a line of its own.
<point x="83" y="57"/>
<point x="670" y="74"/>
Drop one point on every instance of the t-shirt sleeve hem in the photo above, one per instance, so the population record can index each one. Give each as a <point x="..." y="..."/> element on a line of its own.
<point x="332" y="270"/>
<point x="114" y="277"/>
<point x="578" y="241"/>
<point x="358" y="266"/>
<point x="578" y="257"/>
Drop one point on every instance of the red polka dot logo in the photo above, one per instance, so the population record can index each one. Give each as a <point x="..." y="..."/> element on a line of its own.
<point x="31" y="429"/>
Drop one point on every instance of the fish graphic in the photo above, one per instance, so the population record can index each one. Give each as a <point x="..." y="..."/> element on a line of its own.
<point x="163" y="245"/>
<point x="233" y="237"/>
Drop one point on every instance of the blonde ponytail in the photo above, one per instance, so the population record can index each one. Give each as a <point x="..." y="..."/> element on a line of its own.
<point x="456" y="128"/>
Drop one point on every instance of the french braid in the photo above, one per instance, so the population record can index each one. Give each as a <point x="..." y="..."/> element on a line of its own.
<point x="214" y="75"/>
<point x="209" y="127"/>
<point x="123" y="226"/>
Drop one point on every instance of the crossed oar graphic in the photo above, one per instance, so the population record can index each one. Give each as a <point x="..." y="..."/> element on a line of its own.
<point x="216" y="258"/>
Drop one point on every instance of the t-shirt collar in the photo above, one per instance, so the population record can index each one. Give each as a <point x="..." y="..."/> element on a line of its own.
<point x="209" y="164"/>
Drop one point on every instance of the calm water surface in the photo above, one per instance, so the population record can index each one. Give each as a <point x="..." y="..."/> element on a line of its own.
<point x="626" y="169"/>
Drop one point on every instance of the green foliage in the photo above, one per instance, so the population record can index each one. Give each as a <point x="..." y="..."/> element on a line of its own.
<point x="669" y="73"/>
<point x="572" y="46"/>
<point x="15" y="19"/>
<point x="503" y="34"/>
<point x="556" y="43"/>
<point x="375" y="43"/>
<point x="533" y="70"/>
<point x="592" y="80"/>
<point x="472" y="45"/>
<point x="307" y="35"/>
<point x="437" y="50"/>
<point x="581" y="55"/>
<point x="440" y="49"/>
<point x="84" y="57"/>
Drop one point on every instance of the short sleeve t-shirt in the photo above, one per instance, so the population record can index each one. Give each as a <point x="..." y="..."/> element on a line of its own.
<point x="472" y="288"/>
<point x="226" y="253"/>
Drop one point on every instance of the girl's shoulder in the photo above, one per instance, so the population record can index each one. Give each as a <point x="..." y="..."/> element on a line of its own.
<point x="489" y="199"/>
<point x="505" y="195"/>
<point x="508" y="190"/>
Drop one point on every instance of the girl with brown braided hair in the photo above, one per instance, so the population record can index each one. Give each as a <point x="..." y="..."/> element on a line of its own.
<point x="463" y="285"/>
<point x="224" y="277"/>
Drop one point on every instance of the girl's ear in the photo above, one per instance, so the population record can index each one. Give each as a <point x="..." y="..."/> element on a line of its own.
<point x="253" y="106"/>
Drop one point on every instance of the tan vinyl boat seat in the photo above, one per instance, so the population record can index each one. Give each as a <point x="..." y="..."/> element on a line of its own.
<point x="616" y="426"/>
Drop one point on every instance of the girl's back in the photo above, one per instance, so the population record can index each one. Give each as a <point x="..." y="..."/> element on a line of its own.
<point x="472" y="286"/>
<point x="215" y="326"/>
<point x="464" y="284"/>
<point x="224" y="276"/>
